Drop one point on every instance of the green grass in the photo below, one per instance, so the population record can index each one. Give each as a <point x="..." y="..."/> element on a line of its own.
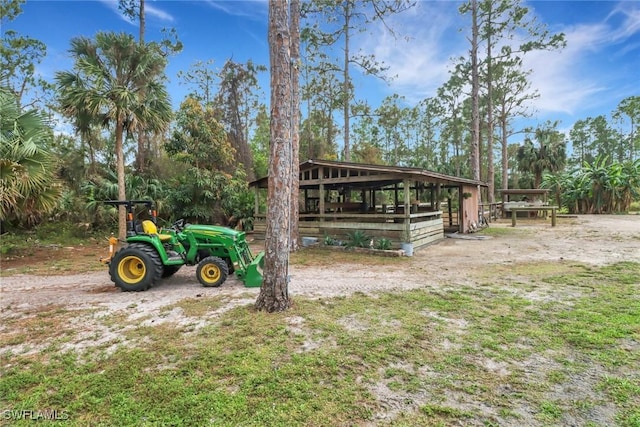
<point x="49" y="234"/>
<point x="50" y="324"/>
<point x="489" y="354"/>
<point x="196" y="307"/>
<point x="52" y="249"/>
<point x="320" y="256"/>
<point x="505" y="230"/>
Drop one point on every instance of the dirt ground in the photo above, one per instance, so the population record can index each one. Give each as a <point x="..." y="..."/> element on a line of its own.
<point x="587" y="239"/>
<point x="461" y="261"/>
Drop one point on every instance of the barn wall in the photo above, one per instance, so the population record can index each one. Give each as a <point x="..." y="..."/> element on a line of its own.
<point x="422" y="232"/>
<point x="470" y="204"/>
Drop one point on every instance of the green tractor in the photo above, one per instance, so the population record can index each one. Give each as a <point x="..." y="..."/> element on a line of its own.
<point x="151" y="254"/>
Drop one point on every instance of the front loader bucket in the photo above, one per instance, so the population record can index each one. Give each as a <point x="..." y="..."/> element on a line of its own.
<point x="253" y="276"/>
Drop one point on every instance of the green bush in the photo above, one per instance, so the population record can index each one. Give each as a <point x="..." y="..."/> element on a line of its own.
<point x="358" y="239"/>
<point x="383" y="244"/>
<point x="6" y="247"/>
<point x="330" y="241"/>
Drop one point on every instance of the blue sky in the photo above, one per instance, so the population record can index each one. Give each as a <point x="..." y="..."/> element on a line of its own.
<point x="599" y="67"/>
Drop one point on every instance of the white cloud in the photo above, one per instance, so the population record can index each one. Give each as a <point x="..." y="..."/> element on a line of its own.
<point x="584" y="74"/>
<point x="630" y="23"/>
<point x="255" y="10"/>
<point x="419" y="68"/>
<point x="565" y="79"/>
<point x="568" y="81"/>
<point x="149" y="9"/>
<point x="160" y="14"/>
<point x="421" y="61"/>
<point x="113" y="5"/>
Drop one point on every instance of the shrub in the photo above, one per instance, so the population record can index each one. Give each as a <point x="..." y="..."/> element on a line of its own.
<point x="358" y="239"/>
<point x="383" y="244"/>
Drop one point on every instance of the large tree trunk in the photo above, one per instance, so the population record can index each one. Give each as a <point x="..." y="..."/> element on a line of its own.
<point x="141" y="157"/>
<point x="142" y="22"/>
<point x="346" y="83"/>
<point x="490" y="127"/>
<point x="537" y="179"/>
<point x="295" y="123"/>
<point x="274" y="292"/>
<point x="505" y="153"/>
<point x="122" y="212"/>
<point x="141" y="154"/>
<point x="475" y="102"/>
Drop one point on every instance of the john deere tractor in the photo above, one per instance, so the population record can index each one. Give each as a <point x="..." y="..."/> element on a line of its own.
<point x="151" y="254"/>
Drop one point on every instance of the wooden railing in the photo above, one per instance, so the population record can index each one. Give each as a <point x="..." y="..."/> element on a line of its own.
<point x="491" y="211"/>
<point x="423" y="227"/>
<point x="363" y="217"/>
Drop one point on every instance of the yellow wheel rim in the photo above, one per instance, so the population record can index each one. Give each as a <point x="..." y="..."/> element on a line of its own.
<point x="131" y="269"/>
<point x="210" y="273"/>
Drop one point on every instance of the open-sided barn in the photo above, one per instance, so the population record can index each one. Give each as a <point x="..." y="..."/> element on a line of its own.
<point x="401" y="204"/>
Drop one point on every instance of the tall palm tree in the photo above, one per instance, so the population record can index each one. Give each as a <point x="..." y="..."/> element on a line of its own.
<point x="549" y="155"/>
<point x="116" y="83"/>
<point x="28" y="188"/>
<point x="555" y="183"/>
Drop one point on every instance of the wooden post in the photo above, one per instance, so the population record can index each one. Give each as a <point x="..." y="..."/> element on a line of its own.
<point x="395" y="198"/>
<point x="256" y="200"/>
<point x="432" y="191"/>
<point x="553" y="217"/>
<point x="306" y="200"/>
<point x="513" y="217"/>
<point x="407" y="210"/>
<point x="461" y="212"/>
<point x="321" y="195"/>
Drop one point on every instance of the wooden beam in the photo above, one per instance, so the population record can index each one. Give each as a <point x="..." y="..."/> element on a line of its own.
<point x="321" y="195"/>
<point x="352" y="179"/>
<point x="256" y="201"/>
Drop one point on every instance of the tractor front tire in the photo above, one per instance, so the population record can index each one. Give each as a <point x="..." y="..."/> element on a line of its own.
<point x="135" y="268"/>
<point x="212" y="272"/>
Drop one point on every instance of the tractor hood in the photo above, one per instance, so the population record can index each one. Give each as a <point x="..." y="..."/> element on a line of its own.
<point x="215" y="230"/>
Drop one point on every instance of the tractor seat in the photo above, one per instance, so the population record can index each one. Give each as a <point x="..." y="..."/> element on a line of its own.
<point x="150" y="228"/>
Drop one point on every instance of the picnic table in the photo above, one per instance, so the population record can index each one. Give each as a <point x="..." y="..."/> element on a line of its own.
<point x="533" y="208"/>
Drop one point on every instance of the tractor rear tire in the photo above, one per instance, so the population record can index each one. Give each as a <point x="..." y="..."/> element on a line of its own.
<point x="170" y="270"/>
<point x="212" y="272"/>
<point x="136" y="267"/>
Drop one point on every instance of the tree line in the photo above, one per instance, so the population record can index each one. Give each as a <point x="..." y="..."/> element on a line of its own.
<point x="124" y="141"/>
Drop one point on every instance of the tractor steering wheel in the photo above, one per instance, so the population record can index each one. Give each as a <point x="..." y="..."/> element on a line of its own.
<point x="179" y="224"/>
